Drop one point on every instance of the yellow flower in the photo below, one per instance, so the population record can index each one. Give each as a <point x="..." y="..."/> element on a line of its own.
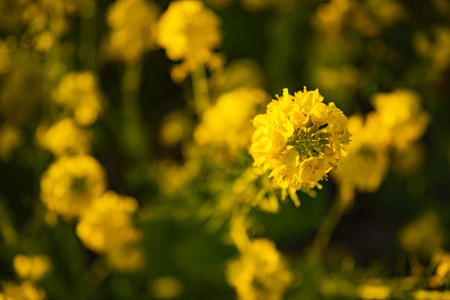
<point x="126" y="259"/>
<point x="189" y="31"/>
<point x="5" y="60"/>
<point x="65" y="137"/>
<point x="402" y="116"/>
<point x="10" y="140"/>
<point x="33" y="267"/>
<point x="259" y="273"/>
<point x="132" y="36"/>
<point x="80" y="95"/>
<point x="227" y="124"/>
<point x="25" y="291"/>
<point x="70" y="184"/>
<point x="367" y="161"/>
<point x="300" y="139"/>
<point x="107" y="224"/>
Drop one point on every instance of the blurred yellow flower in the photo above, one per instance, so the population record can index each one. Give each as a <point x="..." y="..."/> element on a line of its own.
<point x="33" y="267"/>
<point x="367" y="161"/>
<point x="228" y="123"/>
<point x="126" y="259"/>
<point x="26" y="291"/>
<point x="189" y="31"/>
<point x="132" y="36"/>
<point x="402" y="116"/>
<point x="437" y="50"/>
<point x="71" y="183"/>
<point x="374" y="292"/>
<point x="65" y="137"/>
<point x="79" y="93"/>
<point x="5" y="59"/>
<point x="166" y="287"/>
<point x="259" y="273"/>
<point x="175" y="127"/>
<point x="107" y="224"/>
<point x="300" y="139"/>
<point x="422" y="236"/>
<point x="431" y="295"/>
<point x="10" y="140"/>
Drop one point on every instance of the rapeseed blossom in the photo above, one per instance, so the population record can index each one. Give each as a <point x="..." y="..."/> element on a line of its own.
<point x="65" y="137"/>
<point x="71" y="183"/>
<point x="368" y="159"/>
<point x="132" y="36"/>
<point x="25" y="291"/>
<point x="401" y="116"/>
<point x="227" y="124"/>
<point x="189" y="31"/>
<point x="10" y="140"/>
<point x="300" y="139"/>
<point x="259" y="273"/>
<point x="79" y="93"/>
<point x="107" y="224"/>
<point x="33" y="267"/>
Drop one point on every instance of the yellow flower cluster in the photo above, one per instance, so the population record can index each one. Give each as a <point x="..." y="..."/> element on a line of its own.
<point x="401" y="117"/>
<point x="437" y="50"/>
<point x="259" y="273"/>
<point x="65" y="138"/>
<point x="133" y="24"/>
<point x="227" y="124"/>
<point x="189" y="31"/>
<point x="69" y="185"/>
<point x="79" y="93"/>
<point x="300" y="139"/>
<point x="33" y="267"/>
<point x="26" y="291"/>
<point x="397" y="122"/>
<point x="107" y="224"/>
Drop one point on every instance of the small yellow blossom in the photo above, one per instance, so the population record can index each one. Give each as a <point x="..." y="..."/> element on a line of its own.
<point x="422" y="236"/>
<point x="5" y="59"/>
<point x="65" y="137"/>
<point x="79" y="93"/>
<point x="175" y="127"/>
<point x="166" y="287"/>
<point x="431" y="295"/>
<point x="437" y="50"/>
<point x="228" y="123"/>
<point x="259" y="273"/>
<point x="367" y="161"/>
<point x="402" y="116"/>
<point x="300" y="139"/>
<point x="374" y="292"/>
<point x="107" y="224"/>
<point x="189" y="31"/>
<point x="26" y="291"/>
<point x="10" y="140"/>
<point x="33" y="267"/>
<point x="126" y="259"/>
<point x="132" y="36"/>
<point x="71" y="183"/>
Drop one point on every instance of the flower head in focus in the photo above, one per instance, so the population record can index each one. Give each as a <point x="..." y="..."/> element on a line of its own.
<point x="71" y="183"/>
<point x="79" y="93"/>
<point x="107" y="224"/>
<point x="189" y="32"/>
<point x="300" y="139"/>
<point x="259" y="273"/>
<point x="132" y="36"/>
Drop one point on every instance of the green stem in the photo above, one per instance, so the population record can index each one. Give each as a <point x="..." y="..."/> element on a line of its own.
<point x="200" y="90"/>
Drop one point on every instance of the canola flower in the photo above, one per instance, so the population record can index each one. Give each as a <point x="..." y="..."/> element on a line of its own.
<point x="227" y="124"/>
<point x="300" y="139"/>
<point x="65" y="137"/>
<point x="71" y="183"/>
<point x="10" y="139"/>
<point x="33" y="267"/>
<point x="189" y="32"/>
<point x="130" y="36"/>
<point x="401" y="116"/>
<point x="79" y="93"/>
<point x="368" y="159"/>
<point x="126" y="259"/>
<point x="25" y="291"/>
<point x="259" y="273"/>
<point x="107" y="224"/>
